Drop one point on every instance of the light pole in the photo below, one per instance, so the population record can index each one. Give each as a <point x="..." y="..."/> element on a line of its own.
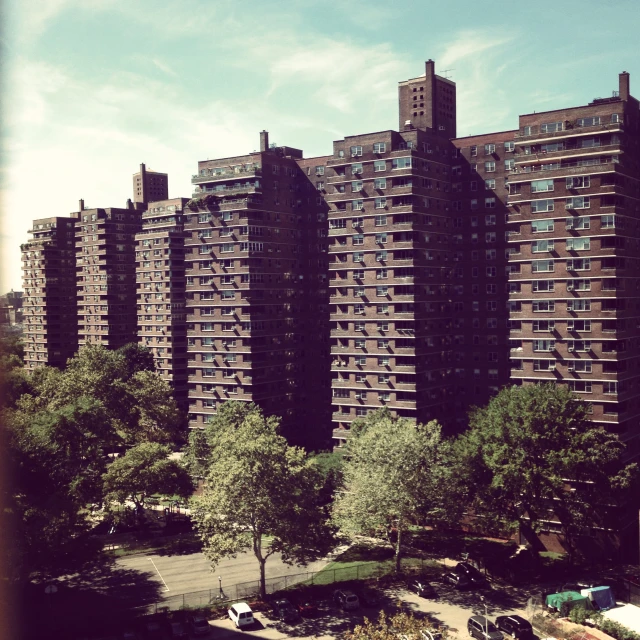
<point x="486" y="617"/>
<point x="220" y="586"/>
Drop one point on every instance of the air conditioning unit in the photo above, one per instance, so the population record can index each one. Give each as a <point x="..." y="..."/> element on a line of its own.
<point x="571" y="367"/>
<point x="571" y="348"/>
<point x="569" y="286"/>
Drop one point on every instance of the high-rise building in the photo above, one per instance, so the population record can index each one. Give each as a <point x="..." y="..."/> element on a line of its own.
<point x="106" y="274"/>
<point x="50" y="324"/>
<point x="150" y="186"/>
<point x="160" y="274"/>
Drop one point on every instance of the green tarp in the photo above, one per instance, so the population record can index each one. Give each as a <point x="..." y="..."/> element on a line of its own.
<point x="566" y="600"/>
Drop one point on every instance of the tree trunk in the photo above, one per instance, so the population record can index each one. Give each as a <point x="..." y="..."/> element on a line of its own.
<point x="257" y="550"/>
<point x="398" y="548"/>
<point x="263" y="586"/>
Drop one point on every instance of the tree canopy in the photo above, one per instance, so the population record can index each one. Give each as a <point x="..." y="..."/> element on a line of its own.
<point x="532" y="453"/>
<point x="394" y="626"/>
<point x="395" y="473"/>
<point x="257" y="486"/>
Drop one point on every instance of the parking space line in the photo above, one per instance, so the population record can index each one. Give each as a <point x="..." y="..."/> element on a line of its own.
<point x="161" y="578"/>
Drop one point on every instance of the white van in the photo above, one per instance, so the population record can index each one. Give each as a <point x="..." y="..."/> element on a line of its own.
<point x="241" y="614"/>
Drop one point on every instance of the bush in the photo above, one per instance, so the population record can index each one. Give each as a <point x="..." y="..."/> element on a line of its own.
<point x="616" y="630"/>
<point x="579" y="615"/>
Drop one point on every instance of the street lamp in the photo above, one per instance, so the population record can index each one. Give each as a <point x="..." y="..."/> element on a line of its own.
<point x="486" y="617"/>
<point x="220" y="586"/>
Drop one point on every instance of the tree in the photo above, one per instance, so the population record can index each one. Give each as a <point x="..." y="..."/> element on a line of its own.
<point x="392" y="627"/>
<point x="394" y="473"/>
<point x="258" y="486"/>
<point x="145" y="470"/>
<point x="532" y="455"/>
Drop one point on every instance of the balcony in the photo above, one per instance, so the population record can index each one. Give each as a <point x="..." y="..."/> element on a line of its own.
<point x="573" y="132"/>
<point x="226" y="175"/>
<point x="540" y="157"/>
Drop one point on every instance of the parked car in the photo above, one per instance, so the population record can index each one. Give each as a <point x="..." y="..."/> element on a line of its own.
<point x="347" y="600"/>
<point x="465" y="569"/>
<point x="458" y="581"/>
<point x="423" y="589"/>
<point x="285" y="611"/>
<point x="369" y="597"/>
<point x="199" y="625"/>
<point x="241" y="614"/>
<point x="178" y="630"/>
<point x="482" y="628"/>
<point x="307" y="609"/>
<point x="515" y="626"/>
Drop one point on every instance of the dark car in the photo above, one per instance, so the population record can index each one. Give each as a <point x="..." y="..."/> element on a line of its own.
<point x="346" y="600"/>
<point x="457" y="580"/>
<point x="199" y="625"/>
<point x="285" y="611"/>
<point x="369" y="597"/>
<point x="515" y="626"/>
<point x="423" y="589"/>
<point x="465" y="569"/>
<point x="482" y="628"/>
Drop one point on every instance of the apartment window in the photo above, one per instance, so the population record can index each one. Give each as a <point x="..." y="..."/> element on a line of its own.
<point x="228" y="311"/>
<point x="381" y="238"/>
<point x="357" y="205"/>
<point x="540" y="306"/>
<point x="361" y="361"/>
<point x="228" y="295"/>
<point x="382" y="291"/>
<point x="381" y="221"/>
<point x="544" y="325"/>
<point x="379" y="147"/>
<point x="360" y="343"/>
<point x="610" y="387"/>
<point x="588" y="122"/>
<point x="489" y="148"/>
<point x="509" y="165"/>
<point x="491" y="272"/>
<point x="356" y="169"/>
<point x="607" y="222"/>
<point x="542" y="285"/>
<point x="509" y="146"/>
<point x="358" y="256"/>
<point x="526" y="131"/>
<point x="579" y="182"/>
<point x="380" y="165"/>
<point x="489" y="166"/>
<point x="544" y="345"/>
<point x="380" y="203"/>
<point x="578" y="223"/>
<point x="320" y="170"/>
<point x="550" y="127"/>
<point x="542" y="246"/>
<point x="358" y="309"/>
<point x="357" y="239"/>
<point x="384" y="396"/>
<point x="227" y="248"/>
<point x="490" y="236"/>
<point x="474" y="204"/>
<point x="382" y="309"/>
<point x="227" y="216"/>
<point x="358" y="292"/>
<point x="361" y="412"/>
<point x="401" y="163"/>
<point x="579" y="325"/>
<point x="383" y="344"/>
<point x="579" y="345"/>
<point x="380" y="183"/>
<point x="578" y="244"/>
<point x="579" y="264"/>
<point x="384" y="361"/>
<point x="356" y="186"/>
<point x="539" y="266"/>
<point x="381" y="256"/>
<point x="544" y="365"/>
<point x="356" y="151"/>
<point x="538" y="186"/>
<point x="541" y="206"/>
<point x="473" y="151"/>
<point x="382" y="326"/>
<point x="489" y="203"/>
<point x="490" y="184"/>
<point x="358" y="274"/>
<point x="579" y="304"/>
<point x="578" y="202"/>
<point x="490" y="221"/>
<point x="579" y="285"/>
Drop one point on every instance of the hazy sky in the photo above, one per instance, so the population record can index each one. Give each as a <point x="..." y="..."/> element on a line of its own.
<point x="92" y="88"/>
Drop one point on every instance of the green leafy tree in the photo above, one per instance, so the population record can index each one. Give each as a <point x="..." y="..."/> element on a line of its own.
<point x="394" y="626"/>
<point x="258" y="486"/>
<point x="145" y="470"/>
<point x="395" y="472"/>
<point x="524" y="452"/>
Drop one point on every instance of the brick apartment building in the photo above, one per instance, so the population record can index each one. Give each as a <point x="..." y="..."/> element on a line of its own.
<point x="409" y="269"/>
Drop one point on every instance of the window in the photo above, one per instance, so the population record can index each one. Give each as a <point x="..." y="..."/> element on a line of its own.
<point x="579" y="325"/>
<point x="542" y="246"/>
<point x="490" y="236"/>
<point x="358" y="257"/>
<point x="537" y="186"/>
<point x="542" y="285"/>
<point x="610" y="387"/>
<point x="579" y="285"/>
<point x="227" y="248"/>
<point x="538" y="206"/>
<point x="539" y="266"/>
<point x="579" y="182"/>
<point x="490" y="184"/>
<point x="509" y="146"/>
<point x="509" y="165"/>
<point x="382" y="326"/>
<point x="473" y="151"/>
<point x="490" y="220"/>
<point x="550" y="127"/>
<point x="382" y="291"/>
<point x="379" y="147"/>
<point x="380" y="203"/>
<point x="578" y="223"/>
<point x="489" y="166"/>
<point x="544" y="325"/>
<point x="489" y="148"/>
<point x="578" y="244"/>
<point x="381" y="221"/>
<point x="544" y="365"/>
<point x="579" y="304"/>
<point x="579" y="345"/>
<point x="357" y="239"/>
<point x="401" y="163"/>
<point x="319" y="170"/>
<point x="379" y="165"/>
<point x="357" y="222"/>
<point x="384" y="361"/>
<point x="358" y="274"/>
<point x="582" y="202"/>
<point x="489" y="203"/>
<point x="588" y="122"/>
<point x="356" y="186"/>
<point x="381" y="256"/>
<point x="543" y="306"/>
<point x="360" y="343"/>
<point x="380" y="183"/>
<point x="357" y="205"/>
<point x="356" y="168"/>
<point x="356" y="151"/>
<point x="358" y="309"/>
<point x="544" y="345"/>
<point x="607" y="222"/>
<point x="382" y="309"/>
<point x="381" y="238"/>
<point x="358" y="292"/>
<point x="381" y="274"/>
<point x="579" y="264"/>
<point x="361" y="361"/>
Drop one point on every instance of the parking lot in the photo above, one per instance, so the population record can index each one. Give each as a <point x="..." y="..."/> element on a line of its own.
<point x="449" y="609"/>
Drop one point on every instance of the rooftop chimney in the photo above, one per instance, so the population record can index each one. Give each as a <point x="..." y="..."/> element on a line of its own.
<point x="264" y="140"/>
<point x="623" y="85"/>
<point x="81" y="204"/>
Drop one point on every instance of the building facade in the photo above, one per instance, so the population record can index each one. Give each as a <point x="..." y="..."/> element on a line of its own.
<point x="150" y="186"/>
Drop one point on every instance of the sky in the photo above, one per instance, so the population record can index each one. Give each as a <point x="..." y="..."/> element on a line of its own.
<point x="92" y="88"/>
